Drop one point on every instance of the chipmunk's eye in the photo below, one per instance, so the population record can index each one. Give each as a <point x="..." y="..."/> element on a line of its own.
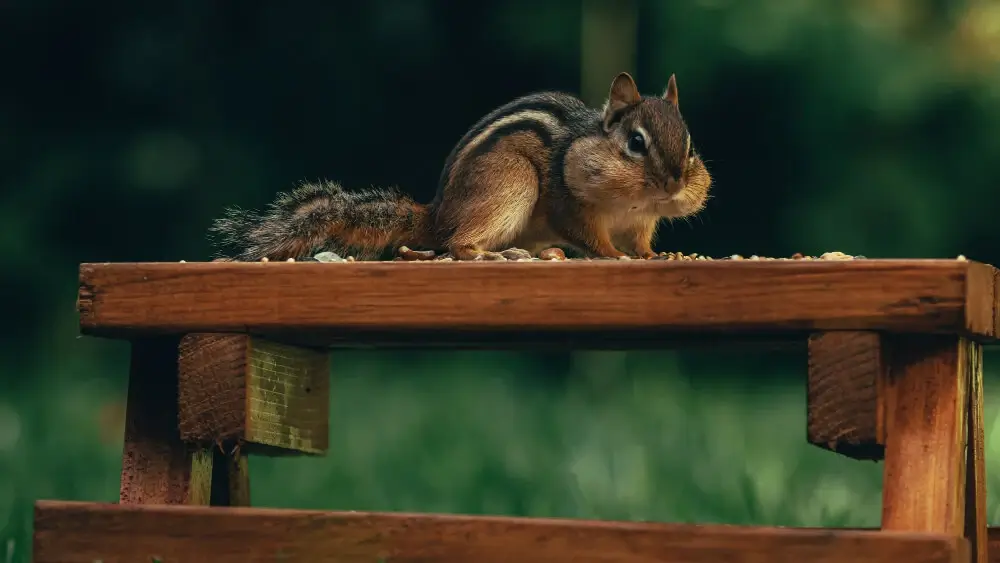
<point x="637" y="142"/>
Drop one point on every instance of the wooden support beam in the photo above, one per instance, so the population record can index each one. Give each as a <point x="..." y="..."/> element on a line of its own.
<point x="861" y="384"/>
<point x="83" y="533"/>
<point x="845" y="411"/>
<point x="975" y="467"/>
<point x="238" y="473"/>
<point x="234" y="387"/>
<point x="230" y="477"/>
<point x="933" y="381"/>
<point x="157" y="467"/>
<point x="202" y="465"/>
<point x="225" y="477"/>
<point x="426" y="302"/>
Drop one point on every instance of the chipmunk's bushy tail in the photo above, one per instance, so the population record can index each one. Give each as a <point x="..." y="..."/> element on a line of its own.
<point x="323" y="216"/>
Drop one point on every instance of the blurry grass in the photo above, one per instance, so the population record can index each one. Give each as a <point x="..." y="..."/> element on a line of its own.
<point x="626" y="438"/>
<point x="632" y="436"/>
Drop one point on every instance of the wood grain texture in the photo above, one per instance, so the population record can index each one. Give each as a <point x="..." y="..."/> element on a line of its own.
<point x="157" y="467"/>
<point x="200" y="491"/>
<point x="975" y="476"/>
<point x="363" y="302"/>
<point x="288" y="397"/>
<point x="844" y="412"/>
<point x="924" y="484"/>
<point x="234" y="387"/>
<point x="81" y="532"/>
<point x="983" y="286"/>
<point x="211" y="371"/>
<point x="238" y="469"/>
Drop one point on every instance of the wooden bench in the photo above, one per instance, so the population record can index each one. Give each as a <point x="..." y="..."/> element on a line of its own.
<point x="229" y="357"/>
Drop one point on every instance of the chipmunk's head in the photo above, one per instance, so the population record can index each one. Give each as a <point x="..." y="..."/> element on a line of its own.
<point x="655" y="162"/>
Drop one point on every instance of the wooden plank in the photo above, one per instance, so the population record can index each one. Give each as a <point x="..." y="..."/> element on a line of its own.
<point x="992" y="550"/>
<point x="927" y="391"/>
<point x="82" y="532"/>
<point x="982" y="309"/>
<point x="236" y="387"/>
<point x="975" y="477"/>
<point x="424" y="301"/>
<point x="157" y="467"/>
<point x="845" y="413"/>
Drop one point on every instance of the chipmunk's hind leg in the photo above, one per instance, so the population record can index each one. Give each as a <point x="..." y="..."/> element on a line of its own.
<point x="495" y="205"/>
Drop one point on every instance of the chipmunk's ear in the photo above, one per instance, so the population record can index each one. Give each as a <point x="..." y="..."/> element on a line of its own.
<point x="670" y="94"/>
<point x="623" y="94"/>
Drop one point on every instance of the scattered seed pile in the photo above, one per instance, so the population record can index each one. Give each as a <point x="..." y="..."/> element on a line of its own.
<point x="406" y="254"/>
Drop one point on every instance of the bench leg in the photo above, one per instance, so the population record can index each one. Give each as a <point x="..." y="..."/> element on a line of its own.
<point x="932" y="480"/>
<point x="230" y="476"/>
<point x="157" y="467"/>
<point x="238" y="468"/>
<point x="975" y="476"/>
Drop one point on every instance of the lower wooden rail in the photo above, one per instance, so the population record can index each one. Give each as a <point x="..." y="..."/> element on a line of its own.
<point x="69" y="532"/>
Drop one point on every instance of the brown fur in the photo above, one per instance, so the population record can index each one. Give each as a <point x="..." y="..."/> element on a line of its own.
<point x="319" y="216"/>
<point x="491" y="198"/>
<point x="611" y="200"/>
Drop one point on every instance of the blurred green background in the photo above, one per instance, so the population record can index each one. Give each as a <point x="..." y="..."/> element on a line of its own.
<point x="868" y="127"/>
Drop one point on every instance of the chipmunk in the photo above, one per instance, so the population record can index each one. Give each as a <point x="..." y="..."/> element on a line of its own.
<point x="543" y="170"/>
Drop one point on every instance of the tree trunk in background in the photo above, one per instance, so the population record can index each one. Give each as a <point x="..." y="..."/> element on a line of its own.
<point x="608" y="41"/>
